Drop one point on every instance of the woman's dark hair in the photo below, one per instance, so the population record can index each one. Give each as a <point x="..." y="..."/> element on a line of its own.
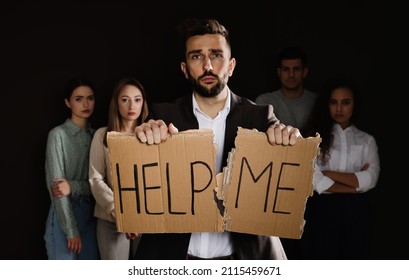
<point x="322" y="121"/>
<point x="72" y="84"/>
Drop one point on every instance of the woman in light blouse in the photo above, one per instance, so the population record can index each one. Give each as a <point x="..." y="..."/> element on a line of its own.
<point x="71" y="226"/>
<point x="128" y="108"/>
<point x="338" y="222"/>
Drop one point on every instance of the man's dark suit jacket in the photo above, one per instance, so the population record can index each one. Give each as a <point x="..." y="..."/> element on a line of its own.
<point x="243" y="113"/>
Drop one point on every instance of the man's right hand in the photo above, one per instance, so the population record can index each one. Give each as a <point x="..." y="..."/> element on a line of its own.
<point x="154" y="131"/>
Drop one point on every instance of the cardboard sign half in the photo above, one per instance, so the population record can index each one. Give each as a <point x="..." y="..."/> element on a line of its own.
<point x="266" y="187"/>
<point x="168" y="187"/>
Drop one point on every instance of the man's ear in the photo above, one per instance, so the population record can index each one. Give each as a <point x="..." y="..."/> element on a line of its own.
<point x="232" y="65"/>
<point x="183" y="68"/>
<point x="305" y="72"/>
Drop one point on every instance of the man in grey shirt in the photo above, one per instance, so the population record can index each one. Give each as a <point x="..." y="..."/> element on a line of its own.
<point x="292" y="103"/>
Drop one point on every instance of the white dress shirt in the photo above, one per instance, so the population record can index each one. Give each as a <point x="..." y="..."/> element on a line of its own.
<point x="212" y="244"/>
<point x="351" y="150"/>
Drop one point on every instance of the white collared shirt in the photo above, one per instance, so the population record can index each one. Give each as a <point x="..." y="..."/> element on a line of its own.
<point x="351" y="150"/>
<point x="212" y="244"/>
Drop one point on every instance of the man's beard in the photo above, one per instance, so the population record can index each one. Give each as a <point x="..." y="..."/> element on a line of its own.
<point x="203" y="91"/>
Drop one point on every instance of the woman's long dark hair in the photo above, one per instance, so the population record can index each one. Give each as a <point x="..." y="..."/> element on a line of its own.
<point x="322" y="122"/>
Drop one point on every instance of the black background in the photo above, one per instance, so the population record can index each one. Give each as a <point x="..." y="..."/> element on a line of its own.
<point x="45" y="44"/>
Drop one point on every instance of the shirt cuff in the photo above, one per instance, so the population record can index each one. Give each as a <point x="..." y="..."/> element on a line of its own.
<point x="324" y="184"/>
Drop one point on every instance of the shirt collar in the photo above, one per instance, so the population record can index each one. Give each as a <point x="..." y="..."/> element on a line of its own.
<point x="74" y="129"/>
<point x="225" y="109"/>
<point x="339" y="129"/>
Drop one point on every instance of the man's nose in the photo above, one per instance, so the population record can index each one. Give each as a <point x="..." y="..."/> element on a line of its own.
<point x="208" y="64"/>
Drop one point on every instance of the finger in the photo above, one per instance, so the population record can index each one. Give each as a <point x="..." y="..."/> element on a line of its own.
<point x="140" y="133"/>
<point x="161" y="133"/>
<point x="149" y="131"/>
<point x="158" y="132"/>
<point x="275" y="134"/>
<point x="130" y="235"/>
<point x="294" y="138"/>
<point x="154" y="135"/>
<point x="152" y="131"/>
<point x="270" y="135"/>
<point x="75" y="248"/>
<point x="55" y="193"/>
<point x="173" y="129"/>
<point x="70" y="246"/>
<point x="285" y="135"/>
<point x="278" y="134"/>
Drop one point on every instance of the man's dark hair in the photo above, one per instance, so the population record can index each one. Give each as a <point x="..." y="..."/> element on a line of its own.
<point x="193" y="26"/>
<point x="292" y="52"/>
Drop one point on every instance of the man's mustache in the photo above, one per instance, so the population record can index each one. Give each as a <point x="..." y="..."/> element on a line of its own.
<point x="207" y="73"/>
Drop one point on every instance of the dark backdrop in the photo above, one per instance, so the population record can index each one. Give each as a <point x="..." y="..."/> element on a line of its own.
<point x="43" y="45"/>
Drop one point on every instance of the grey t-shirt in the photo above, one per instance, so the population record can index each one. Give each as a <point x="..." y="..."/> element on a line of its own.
<point x="294" y="112"/>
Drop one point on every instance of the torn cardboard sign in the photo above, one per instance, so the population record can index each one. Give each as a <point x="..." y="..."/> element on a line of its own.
<point x="167" y="187"/>
<point x="265" y="187"/>
<point x="171" y="187"/>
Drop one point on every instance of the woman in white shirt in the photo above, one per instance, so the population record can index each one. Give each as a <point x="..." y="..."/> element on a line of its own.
<point x="338" y="218"/>
<point x="128" y="108"/>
